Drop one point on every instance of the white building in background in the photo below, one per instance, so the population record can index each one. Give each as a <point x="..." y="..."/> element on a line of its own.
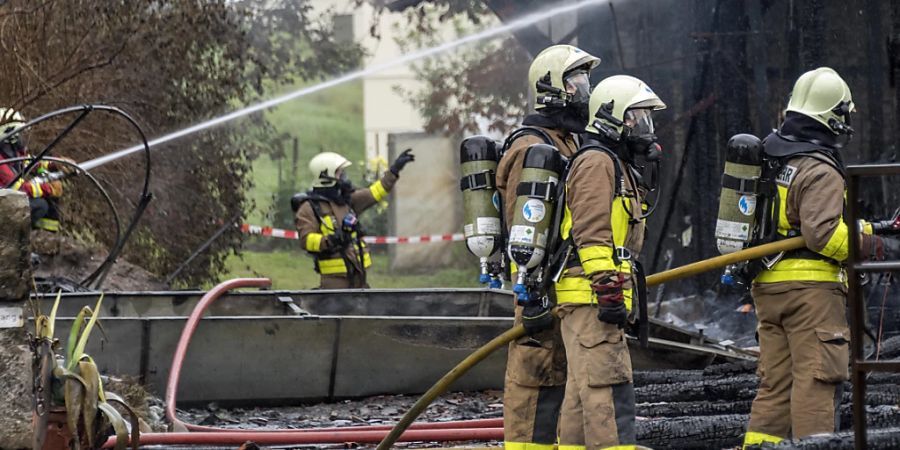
<point x="384" y="110"/>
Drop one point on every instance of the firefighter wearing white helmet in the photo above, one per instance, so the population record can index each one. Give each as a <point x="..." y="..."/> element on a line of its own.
<point x="327" y="218"/>
<point x="559" y="84"/>
<point x="604" y="225"/>
<point x="800" y="295"/>
<point x="43" y="195"/>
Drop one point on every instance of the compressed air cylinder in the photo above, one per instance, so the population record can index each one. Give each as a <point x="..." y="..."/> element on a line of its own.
<point x="535" y="201"/>
<point x="478" y="156"/>
<point x="736" y="221"/>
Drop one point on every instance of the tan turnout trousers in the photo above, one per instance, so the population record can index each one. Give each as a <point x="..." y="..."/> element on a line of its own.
<point x="598" y="411"/>
<point x="804" y="358"/>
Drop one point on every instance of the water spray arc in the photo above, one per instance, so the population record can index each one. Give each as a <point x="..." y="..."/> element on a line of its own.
<point x="522" y="22"/>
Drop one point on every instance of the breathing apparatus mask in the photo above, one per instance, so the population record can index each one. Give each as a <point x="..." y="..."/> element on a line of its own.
<point x="643" y="150"/>
<point x="842" y="127"/>
<point x="14" y="145"/>
<point x="573" y="100"/>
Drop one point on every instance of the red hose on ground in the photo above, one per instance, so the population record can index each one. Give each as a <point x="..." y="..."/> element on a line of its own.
<point x="311" y="437"/>
<point x="181" y="350"/>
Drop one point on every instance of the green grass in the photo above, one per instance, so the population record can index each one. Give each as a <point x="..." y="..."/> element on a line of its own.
<point x="294" y="270"/>
<point x="330" y="120"/>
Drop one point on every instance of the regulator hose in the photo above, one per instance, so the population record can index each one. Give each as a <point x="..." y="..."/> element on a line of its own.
<point x="518" y="331"/>
<point x="99" y="274"/>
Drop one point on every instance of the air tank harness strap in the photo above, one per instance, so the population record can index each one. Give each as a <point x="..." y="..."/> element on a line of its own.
<point x="741" y="185"/>
<point x="540" y="190"/>
<point x="477" y="181"/>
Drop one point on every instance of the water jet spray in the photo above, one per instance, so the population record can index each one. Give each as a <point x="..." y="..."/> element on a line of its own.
<point x="522" y="22"/>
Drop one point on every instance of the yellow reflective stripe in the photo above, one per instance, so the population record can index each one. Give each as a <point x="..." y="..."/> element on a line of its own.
<point x="332" y="266"/>
<point x="378" y="191"/>
<point x="367" y="259"/>
<point x="801" y="270"/>
<point x="48" y="224"/>
<point x="527" y="446"/>
<point x="18" y="184"/>
<point x="756" y="438"/>
<point x="578" y="290"/>
<point x="36" y="190"/>
<point x="837" y="247"/>
<point x="571" y="447"/>
<point x="565" y="228"/>
<point x="783" y="225"/>
<point x="596" y="258"/>
<point x="313" y="242"/>
<point x="619" y="220"/>
<point x="327" y="226"/>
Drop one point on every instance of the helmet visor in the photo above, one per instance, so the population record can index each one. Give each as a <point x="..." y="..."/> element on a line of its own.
<point x="578" y="85"/>
<point x="640" y="121"/>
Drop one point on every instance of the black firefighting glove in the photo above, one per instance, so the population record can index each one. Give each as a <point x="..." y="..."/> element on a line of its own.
<point x="405" y="158"/>
<point x="338" y="240"/>
<point x="611" y="299"/>
<point x="536" y="318"/>
<point x="889" y="226"/>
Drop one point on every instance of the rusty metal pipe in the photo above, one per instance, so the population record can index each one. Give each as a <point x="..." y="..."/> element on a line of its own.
<point x="296" y="437"/>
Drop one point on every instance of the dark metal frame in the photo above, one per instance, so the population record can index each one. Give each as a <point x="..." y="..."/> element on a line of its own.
<point x="859" y="366"/>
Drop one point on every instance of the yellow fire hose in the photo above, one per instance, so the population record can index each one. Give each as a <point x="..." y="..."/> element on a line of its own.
<point x="518" y="331"/>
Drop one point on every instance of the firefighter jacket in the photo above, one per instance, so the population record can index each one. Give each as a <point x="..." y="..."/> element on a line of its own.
<point x="604" y="222"/>
<point x="509" y="171"/>
<point x="32" y="189"/>
<point x="811" y="192"/>
<point x="319" y="218"/>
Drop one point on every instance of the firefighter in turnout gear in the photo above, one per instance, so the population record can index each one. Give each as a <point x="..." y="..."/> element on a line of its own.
<point x="536" y="368"/>
<point x="327" y="219"/>
<point x="800" y="296"/>
<point x="604" y="224"/>
<point x="43" y="194"/>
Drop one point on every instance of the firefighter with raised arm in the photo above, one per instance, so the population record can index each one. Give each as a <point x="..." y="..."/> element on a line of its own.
<point x="327" y="219"/>
<point x="536" y="368"/>
<point x="43" y="190"/>
<point x="800" y="296"/>
<point x="603" y="225"/>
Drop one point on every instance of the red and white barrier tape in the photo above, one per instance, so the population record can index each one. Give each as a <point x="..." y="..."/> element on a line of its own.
<point x="291" y="234"/>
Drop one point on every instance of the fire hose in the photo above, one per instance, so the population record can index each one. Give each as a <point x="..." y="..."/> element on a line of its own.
<point x="181" y="350"/>
<point x="468" y="430"/>
<point x="518" y="331"/>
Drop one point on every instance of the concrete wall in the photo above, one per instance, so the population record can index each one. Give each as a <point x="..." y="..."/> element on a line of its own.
<point x="426" y="200"/>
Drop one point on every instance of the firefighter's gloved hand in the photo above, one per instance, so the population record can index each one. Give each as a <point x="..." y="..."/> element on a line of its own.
<point x="67" y="168"/>
<point x="536" y="318"/>
<point x="889" y="226"/>
<point x="611" y="299"/>
<point x="56" y="189"/>
<point x="338" y="240"/>
<point x="405" y="158"/>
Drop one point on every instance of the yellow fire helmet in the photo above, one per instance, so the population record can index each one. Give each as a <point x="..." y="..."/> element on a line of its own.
<point x="324" y="168"/>
<point x="553" y="79"/>
<point x="823" y="95"/>
<point x="612" y="98"/>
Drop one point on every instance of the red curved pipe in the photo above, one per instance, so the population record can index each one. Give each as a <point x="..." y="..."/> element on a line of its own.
<point x="309" y="437"/>
<point x="181" y="350"/>
<point x="188" y="332"/>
